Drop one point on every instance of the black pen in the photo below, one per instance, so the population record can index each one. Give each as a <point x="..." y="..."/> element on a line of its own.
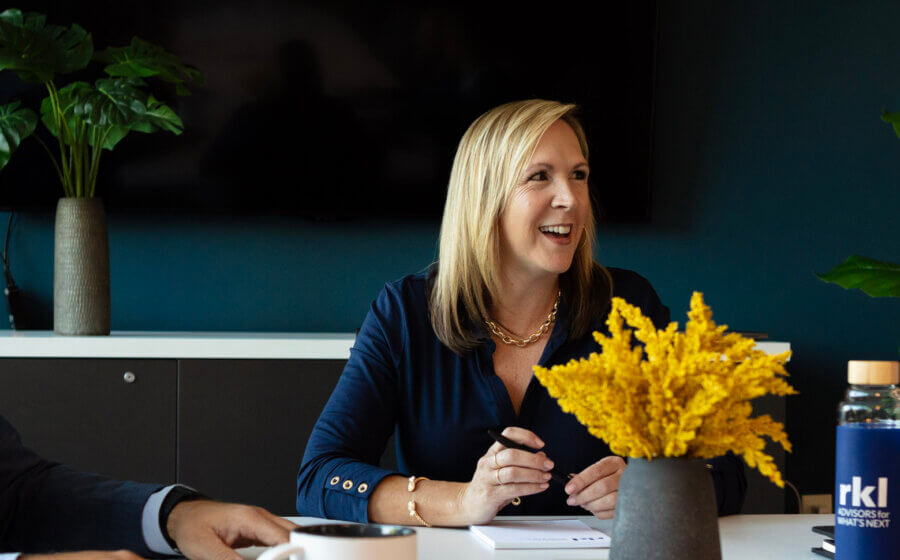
<point x="555" y="474"/>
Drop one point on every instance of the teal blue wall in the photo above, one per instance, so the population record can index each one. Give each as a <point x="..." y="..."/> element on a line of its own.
<point x="771" y="163"/>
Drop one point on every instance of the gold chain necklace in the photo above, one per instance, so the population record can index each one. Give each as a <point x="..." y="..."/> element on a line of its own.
<point x="521" y="343"/>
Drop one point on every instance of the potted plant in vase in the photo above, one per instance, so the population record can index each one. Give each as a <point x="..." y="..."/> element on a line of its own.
<point x="689" y="400"/>
<point x="85" y="120"/>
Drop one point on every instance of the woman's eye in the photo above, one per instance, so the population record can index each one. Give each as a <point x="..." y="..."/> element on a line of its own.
<point x="580" y="174"/>
<point x="539" y="176"/>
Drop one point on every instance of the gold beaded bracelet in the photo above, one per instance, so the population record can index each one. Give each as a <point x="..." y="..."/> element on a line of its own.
<point x="412" y="503"/>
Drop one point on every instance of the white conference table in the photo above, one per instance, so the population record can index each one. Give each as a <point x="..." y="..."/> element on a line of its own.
<point x="743" y="537"/>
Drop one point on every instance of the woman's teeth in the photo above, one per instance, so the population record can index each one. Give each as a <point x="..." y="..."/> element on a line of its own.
<point x="556" y="230"/>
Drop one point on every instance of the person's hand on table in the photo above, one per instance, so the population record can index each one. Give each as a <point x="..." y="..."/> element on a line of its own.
<point x="503" y="474"/>
<point x="84" y="555"/>
<point x="596" y="487"/>
<point x="207" y="530"/>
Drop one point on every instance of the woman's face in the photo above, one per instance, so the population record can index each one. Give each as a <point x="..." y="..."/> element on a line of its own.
<point x="544" y="219"/>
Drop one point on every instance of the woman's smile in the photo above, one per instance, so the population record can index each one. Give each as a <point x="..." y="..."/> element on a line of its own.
<point x="560" y="234"/>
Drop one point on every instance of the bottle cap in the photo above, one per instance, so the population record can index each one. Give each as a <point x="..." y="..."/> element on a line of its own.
<point x="867" y="372"/>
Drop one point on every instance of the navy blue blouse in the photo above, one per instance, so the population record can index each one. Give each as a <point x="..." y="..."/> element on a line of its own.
<point x="401" y="379"/>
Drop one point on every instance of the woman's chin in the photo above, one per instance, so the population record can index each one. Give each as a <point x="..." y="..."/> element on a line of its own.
<point x="557" y="266"/>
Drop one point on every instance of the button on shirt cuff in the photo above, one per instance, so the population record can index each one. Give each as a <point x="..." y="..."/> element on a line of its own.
<point x="348" y="488"/>
<point x="153" y="535"/>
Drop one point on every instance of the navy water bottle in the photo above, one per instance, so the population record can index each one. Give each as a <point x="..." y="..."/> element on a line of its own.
<point x="867" y="473"/>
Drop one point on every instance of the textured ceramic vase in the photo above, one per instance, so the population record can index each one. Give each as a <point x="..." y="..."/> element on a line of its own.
<point x="81" y="268"/>
<point x="666" y="508"/>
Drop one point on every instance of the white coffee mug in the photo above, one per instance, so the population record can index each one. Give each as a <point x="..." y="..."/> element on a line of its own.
<point x="347" y="541"/>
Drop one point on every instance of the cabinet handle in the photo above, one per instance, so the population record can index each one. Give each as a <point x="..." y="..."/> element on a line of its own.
<point x="129" y="377"/>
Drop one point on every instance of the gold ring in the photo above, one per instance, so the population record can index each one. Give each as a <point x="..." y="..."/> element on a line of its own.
<point x="496" y="464"/>
<point x="498" y="477"/>
<point x="516" y="501"/>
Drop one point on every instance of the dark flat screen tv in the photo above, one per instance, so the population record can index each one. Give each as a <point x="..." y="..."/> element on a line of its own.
<point x="343" y="110"/>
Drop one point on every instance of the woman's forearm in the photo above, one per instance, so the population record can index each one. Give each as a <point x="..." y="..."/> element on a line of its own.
<point x="438" y="502"/>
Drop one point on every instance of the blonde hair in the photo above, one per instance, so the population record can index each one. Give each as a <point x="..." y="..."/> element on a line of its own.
<point x="492" y="155"/>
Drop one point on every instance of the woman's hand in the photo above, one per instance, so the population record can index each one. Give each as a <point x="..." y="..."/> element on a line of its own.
<point x="504" y="474"/>
<point x="596" y="487"/>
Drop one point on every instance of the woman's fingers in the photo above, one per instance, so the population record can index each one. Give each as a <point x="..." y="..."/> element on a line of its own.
<point x="509" y="491"/>
<point x="510" y="475"/>
<point x="518" y="458"/>
<point x="606" y="514"/>
<point x="523" y="436"/>
<point x="503" y="474"/>
<point x="596" y="490"/>
<point x="596" y="487"/>
<point x="599" y="470"/>
<point x="518" y="435"/>
<point x="604" y="507"/>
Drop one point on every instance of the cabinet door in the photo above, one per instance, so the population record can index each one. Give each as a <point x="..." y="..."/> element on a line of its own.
<point x="243" y="426"/>
<point x="89" y="414"/>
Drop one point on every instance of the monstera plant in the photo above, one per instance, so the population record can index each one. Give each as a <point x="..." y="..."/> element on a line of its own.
<point x="85" y="119"/>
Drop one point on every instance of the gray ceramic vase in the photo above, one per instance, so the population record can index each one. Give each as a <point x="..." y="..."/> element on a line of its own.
<point x="81" y="268"/>
<point x="666" y="508"/>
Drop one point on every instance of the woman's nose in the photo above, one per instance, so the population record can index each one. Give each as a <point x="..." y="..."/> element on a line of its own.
<point x="564" y="195"/>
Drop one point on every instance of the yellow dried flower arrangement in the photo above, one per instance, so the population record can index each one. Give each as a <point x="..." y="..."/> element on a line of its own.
<point x="689" y="397"/>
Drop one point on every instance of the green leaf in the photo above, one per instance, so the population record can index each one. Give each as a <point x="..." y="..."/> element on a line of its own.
<point x="114" y="135"/>
<point x="15" y="125"/>
<point x="110" y="108"/>
<point x="876" y="278"/>
<point x="37" y="51"/>
<point x="893" y="119"/>
<point x="115" y="101"/>
<point x="68" y="97"/>
<point x="100" y="112"/>
<point x="135" y="109"/>
<point x="161" y="116"/>
<point x="142" y="60"/>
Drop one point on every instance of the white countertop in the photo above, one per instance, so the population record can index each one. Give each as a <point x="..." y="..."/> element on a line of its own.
<point x="743" y="537"/>
<point x="208" y="345"/>
<point x="147" y="344"/>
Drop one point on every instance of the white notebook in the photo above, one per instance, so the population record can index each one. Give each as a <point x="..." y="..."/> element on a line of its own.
<point x="569" y="533"/>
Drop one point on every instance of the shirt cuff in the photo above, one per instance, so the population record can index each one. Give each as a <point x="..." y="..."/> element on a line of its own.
<point x="9" y="555"/>
<point x="153" y="533"/>
<point x="348" y="488"/>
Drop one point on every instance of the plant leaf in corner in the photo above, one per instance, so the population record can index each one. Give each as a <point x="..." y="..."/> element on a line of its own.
<point x="893" y="119"/>
<point x="15" y="125"/>
<point x="876" y="278"/>
<point x="37" y="51"/>
<point x="141" y="59"/>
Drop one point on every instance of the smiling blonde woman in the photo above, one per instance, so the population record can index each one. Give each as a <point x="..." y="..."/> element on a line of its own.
<point x="492" y="156"/>
<point x="445" y="355"/>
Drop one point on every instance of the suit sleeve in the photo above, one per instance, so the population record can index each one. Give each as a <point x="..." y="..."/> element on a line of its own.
<point x="48" y="507"/>
<point x="340" y="468"/>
